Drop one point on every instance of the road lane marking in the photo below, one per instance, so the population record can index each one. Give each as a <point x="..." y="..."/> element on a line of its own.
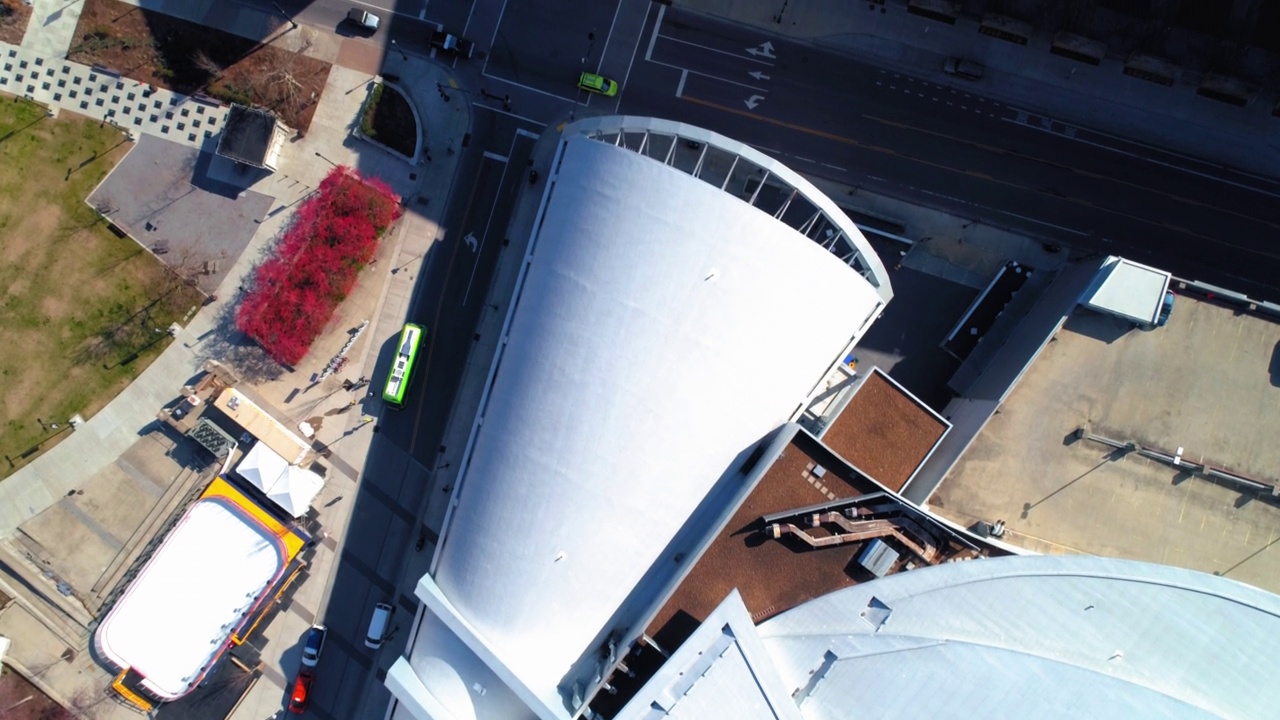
<point x="605" y="49"/>
<point x="653" y="39"/>
<point x="493" y="41"/>
<point x="1076" y="201"/>
<point x="540" y="91"/>
<point x="1020" y="120"/>
<point x="500" y="111"/>
<point x="717" y="50"/>
<point x="484" y="235"/>
<point x="1189" y="158"/>
<point x="639" y="38"/>
<point x="713" y="77"/>
<point x="1068" y="168"/>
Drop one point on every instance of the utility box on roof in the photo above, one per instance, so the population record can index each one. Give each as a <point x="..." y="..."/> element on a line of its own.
<point x="878" y="557"/>
<point x="1128" y="290"/>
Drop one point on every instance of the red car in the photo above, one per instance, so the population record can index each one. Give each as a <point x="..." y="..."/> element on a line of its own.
<point x="301" y="688"/>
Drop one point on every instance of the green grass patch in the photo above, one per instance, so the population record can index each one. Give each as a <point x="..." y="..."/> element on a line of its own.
<point x="371" y="108"/>
<point x="84" y="311"/>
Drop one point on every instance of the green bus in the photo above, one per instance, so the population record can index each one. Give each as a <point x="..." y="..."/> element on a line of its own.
<point x="402" y="366"/>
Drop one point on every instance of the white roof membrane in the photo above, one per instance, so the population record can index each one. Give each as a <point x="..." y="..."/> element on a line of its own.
<point x="179" y="612"/>
<point x="663" y="328"/>
<point x="1042" y="636"/>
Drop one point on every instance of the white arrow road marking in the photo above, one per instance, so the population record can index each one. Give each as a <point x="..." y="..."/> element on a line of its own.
<point x="758" y="75"/>
<point x="471" y="241"/>
<point x="764" y="50"/>
<point x="753" y="101"/>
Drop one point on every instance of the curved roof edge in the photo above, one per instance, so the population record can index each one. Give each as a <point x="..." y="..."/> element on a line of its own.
<point x="1197" y="638"/>
<point x="872" y="269"/>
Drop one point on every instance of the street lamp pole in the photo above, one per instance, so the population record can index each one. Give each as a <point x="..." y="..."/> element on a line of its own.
<point x="285" y="15"/>
<point x="326" y="159"/>
<point x="395" y="45"/>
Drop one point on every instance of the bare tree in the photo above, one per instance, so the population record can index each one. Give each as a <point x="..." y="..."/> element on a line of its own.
<point x="283" y="88"/>
<point x="201" y="60"/>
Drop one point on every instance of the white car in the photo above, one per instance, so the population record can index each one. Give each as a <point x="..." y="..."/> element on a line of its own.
<point x="313" y="645"/>
<point x="364" y="19"/>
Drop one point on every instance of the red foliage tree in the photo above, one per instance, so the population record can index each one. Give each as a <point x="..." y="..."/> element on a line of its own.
<point x="316" y="263"/>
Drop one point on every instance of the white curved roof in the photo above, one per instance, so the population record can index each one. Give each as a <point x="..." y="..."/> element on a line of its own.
<point x="1043" y="637"/>
<point x="177" y="615"/>
<point x="662" y="329"/>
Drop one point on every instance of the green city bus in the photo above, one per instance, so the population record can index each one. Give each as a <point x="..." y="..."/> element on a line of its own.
<point x="402" y="366"/>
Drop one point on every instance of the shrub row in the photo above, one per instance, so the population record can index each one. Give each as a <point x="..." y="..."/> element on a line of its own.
<point x="334" y="234"/>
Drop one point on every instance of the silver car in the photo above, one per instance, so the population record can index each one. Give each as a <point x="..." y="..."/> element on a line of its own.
<point x="364" y="19"/>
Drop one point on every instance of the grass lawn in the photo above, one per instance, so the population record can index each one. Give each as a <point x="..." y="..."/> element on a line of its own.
<point x="80" y="307"/>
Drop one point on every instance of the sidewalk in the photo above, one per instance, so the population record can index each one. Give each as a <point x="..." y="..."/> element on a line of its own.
<point x="1100" y="98"/>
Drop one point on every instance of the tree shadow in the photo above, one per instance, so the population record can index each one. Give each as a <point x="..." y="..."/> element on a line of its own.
<point x="1245" y="559"/>
<point x="227" y="344"/>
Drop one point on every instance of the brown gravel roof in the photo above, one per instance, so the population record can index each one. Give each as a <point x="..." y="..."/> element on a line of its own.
<point x="771" y="575"/>
<point x="884" y="432"/>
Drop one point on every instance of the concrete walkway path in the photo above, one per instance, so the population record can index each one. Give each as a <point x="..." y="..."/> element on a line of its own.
<point x="52" y="27"/>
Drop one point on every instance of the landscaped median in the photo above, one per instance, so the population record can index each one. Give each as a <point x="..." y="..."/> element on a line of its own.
<point x="388" y="119"/>
<point x="334" y="234"/>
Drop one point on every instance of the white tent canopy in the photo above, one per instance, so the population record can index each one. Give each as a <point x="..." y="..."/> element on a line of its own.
<point x="262" y="466"/>
<point x="289" y="486"/>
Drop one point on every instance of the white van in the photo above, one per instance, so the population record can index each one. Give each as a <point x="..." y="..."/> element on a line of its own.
<point x="378" y="625"/>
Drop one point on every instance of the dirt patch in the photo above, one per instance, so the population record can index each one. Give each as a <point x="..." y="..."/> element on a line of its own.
<point x="188" y="58"/>
<point x="14" y="15"/>
<point x="20" y="700"/>
<point x="388" y="120"/>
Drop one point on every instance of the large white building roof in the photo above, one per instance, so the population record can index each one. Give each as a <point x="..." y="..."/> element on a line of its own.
<point x="177" y="615"/>
<point x="1041" y="636"/>
<point x="663" y="327"/>
<point x="665" y="323"/>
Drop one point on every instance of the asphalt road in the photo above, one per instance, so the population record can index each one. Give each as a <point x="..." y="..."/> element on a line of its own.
<point x="382" y="538"/>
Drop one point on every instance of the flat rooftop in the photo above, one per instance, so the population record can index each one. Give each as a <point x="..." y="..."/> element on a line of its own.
<point x="191" y="595"/>
<point x="775" y="575"/>
<point x="1207" y="382"/>
<point x="884" y="431"/>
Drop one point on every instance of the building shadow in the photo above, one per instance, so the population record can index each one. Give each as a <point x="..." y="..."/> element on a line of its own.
<point x="1103" y="328"/>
